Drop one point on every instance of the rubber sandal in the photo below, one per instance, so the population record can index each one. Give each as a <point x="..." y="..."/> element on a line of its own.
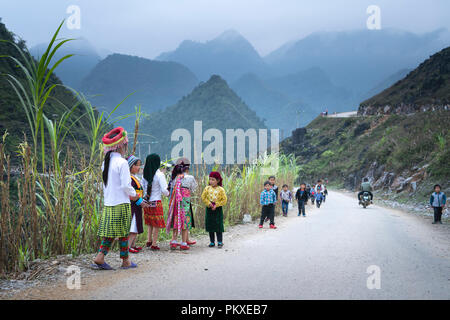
<point x="103" y="266"/>
<point x="220" y="245"/>
<point x="191" y="242"/>
<point x="212" y="245"/>
<point x="132" y="265"/>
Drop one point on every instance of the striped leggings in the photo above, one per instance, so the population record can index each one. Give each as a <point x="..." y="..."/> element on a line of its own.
<point x="123" y="244"/>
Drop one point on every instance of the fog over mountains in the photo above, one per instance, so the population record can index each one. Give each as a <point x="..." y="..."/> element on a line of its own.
<point x="288" y="87"/>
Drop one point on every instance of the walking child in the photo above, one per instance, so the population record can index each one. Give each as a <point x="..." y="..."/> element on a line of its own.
<point x="302" y="198"/>
<point x="286" y="198"/>
<point x="437" y="201"/>
<point x="268" y="200"/>
<point x="214" y="197"/>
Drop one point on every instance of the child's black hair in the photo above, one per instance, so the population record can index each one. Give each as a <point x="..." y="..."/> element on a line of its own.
<point x="285" y="185"/>
<point x="106" y="167"/>
<point x="437" y="185"/>
<point x="266" y="183"/>
<point x="272" y="177"/>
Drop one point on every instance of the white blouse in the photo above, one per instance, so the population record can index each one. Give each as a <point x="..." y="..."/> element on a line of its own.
<point x="159" y="186"/>
<point x="118" y="189"/>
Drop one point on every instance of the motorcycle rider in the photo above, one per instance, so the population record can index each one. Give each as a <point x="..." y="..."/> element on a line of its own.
<point x="365" y="187"/>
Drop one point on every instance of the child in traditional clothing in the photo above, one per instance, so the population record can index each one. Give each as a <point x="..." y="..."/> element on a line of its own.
<point x="155" y="184"/>
<point x="136" y="210"/>
<point x="189" y="184"/>
<point x="179" y="217"/>
<point x="115" y="219"/>
<point x="214" y="197"/>
<point x="268" y="200"/>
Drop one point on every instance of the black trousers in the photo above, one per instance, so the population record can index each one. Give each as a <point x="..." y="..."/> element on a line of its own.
<point x="268" y="211"/>
<point x="219" y="237"/>
<point x="437" y="213"/>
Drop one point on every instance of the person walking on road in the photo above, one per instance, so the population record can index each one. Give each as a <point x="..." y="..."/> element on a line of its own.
<point x="268" y="200"/>
<point x="437" y="201"/>
<point x="302" y="197"/>
<point x="286" y="198"/>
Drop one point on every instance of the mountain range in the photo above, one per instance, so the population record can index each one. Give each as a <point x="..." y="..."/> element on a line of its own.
<point x="357" y="60"/>
<point x="229" y="55"/>
<point x="212" y="102"/>
<point x="153" y="84"/>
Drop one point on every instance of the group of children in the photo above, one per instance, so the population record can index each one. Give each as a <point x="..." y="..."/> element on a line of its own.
<point x="130" y="202"/>
<point x="269" y="197"/>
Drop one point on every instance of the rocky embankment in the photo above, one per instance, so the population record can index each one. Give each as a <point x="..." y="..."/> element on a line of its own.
<point x="371" y="110"/>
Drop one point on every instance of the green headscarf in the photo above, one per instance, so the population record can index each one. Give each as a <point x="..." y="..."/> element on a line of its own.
<point x="152" y="164"/>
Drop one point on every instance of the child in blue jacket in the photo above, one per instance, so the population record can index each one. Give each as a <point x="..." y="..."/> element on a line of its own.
<point x="437" y="201"/>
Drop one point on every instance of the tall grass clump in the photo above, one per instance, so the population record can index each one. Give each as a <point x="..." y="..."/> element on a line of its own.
<point x="56" y="206"/>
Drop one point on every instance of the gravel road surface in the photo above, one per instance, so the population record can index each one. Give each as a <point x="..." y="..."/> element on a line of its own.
<point x="325" y="255"/>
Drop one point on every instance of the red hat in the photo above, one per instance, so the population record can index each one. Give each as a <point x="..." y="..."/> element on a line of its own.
<point x="114" y="139"/>
<point x="216" y="175"/>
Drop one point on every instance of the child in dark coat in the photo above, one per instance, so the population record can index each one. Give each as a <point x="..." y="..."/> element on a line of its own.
<point x="302" y="198"/>
<point x="437" y="201"/>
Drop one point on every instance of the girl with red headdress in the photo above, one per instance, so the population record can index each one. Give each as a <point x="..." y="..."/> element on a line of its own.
<point x="214" y="197"/>
<point x="115" y="218"/>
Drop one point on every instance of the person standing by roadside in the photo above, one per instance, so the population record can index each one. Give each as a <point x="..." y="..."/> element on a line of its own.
<point x="136" y="210"/>
<point x="188" y="187"/>
<point x="155" y="185"/>
<point x="115" y="219"/>
<point x="214" y="197"/>
<point x="437" y="201"/>
<point x="302" y="197"/>
<point x="286" y="198"/>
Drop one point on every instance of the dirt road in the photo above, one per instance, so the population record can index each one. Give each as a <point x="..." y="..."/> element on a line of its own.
<point x="325" y="255"/>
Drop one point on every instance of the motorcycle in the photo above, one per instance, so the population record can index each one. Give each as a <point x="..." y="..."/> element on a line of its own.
<point x="365" y="200"/>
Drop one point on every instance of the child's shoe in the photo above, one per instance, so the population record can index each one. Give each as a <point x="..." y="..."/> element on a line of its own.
<point x="191" y="242"/>
<point x="155" y="248"/>
<point x="212" y="244"/>
<point x="272" y="226"/>
<point x="138" y="248"/>
<point x="133" y="250"/>
<point x="260" y="226"/>
<point x="220" y="245"/>
<point x="184" y="247"/>
<point x="173" y="245"/>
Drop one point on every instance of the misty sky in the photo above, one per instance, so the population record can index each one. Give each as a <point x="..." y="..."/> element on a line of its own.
<point x="149" y="27"/>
